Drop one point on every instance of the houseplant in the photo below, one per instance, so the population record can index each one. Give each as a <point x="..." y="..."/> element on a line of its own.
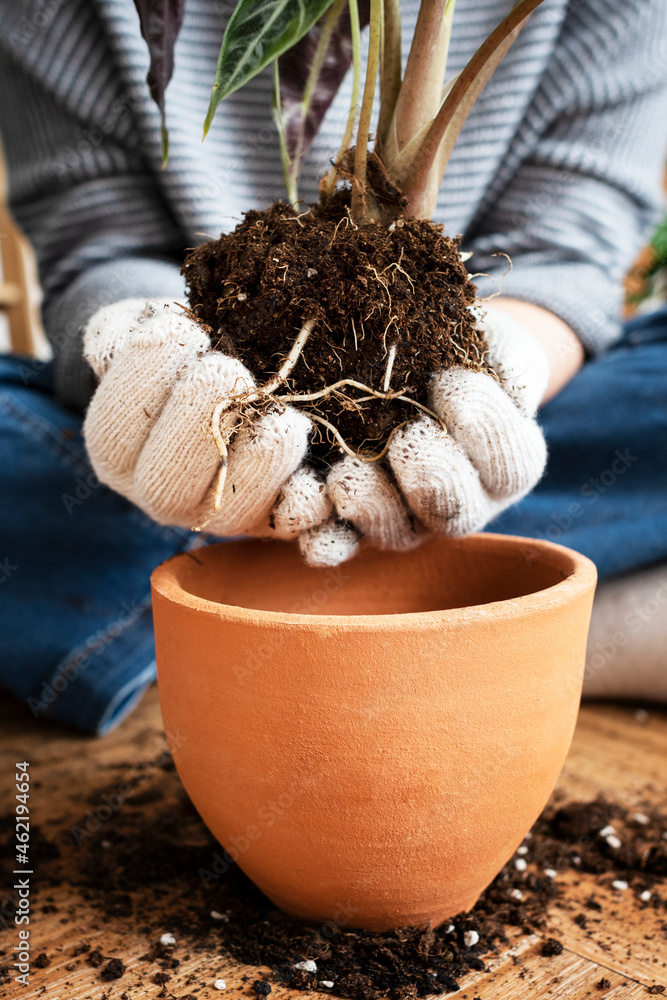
<point x="374" y="740"/>
<point x="348" y="309"/>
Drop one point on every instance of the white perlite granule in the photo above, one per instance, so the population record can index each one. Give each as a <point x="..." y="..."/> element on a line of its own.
<point x="550" y="872"/>
<point x="619" y="884"/>
<point x="327" y="983"/>
<point x="516" y="894"/>
<point x="522" y="850"/>
<point x="450" y="929"/>
<point x="641" y="818"/>
<point x="307" y="966"/>
<point x="613" y="842"/>
<point x="470" y="938"/>
<point x="607" y="831"/>
<point x="520" y="864"/>
<point x="220" y="984"/>
<point x="167" y="939"/>
<point x="645" y="896"/>
<point x="219" y="916"/>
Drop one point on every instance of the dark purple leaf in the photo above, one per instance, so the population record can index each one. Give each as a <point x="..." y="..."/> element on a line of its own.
<point x="160" y="22"/>
<point x="294" y="68"/>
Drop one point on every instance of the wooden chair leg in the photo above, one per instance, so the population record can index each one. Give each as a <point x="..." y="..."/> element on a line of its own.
<point x="15" y="298"/>
<point x="19" y="286"/>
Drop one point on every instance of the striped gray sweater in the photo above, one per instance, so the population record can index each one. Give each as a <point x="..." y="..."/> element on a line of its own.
<point x="559" y="164"/>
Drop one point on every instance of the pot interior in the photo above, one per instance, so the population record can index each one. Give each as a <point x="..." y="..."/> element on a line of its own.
<point x="439" y="575"/>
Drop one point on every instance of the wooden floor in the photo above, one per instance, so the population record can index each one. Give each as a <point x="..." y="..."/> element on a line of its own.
<point x="618" y="751"/>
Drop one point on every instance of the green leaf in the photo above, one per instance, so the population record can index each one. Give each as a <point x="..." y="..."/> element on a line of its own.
<point x="257" y="33"/>
<point x="659" y="244"/>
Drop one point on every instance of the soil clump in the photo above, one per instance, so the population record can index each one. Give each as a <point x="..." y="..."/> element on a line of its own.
<point x="390" y="305"/>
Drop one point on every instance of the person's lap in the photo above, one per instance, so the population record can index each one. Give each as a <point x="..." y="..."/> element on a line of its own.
<point x="605" y="489"/>
<point x="76" y="636"/>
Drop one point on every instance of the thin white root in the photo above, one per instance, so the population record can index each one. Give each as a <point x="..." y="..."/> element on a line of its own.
<point x="345" y="446"/>
<point x="222" y="448"/>
<point x="373" y="394"/>
<point x="310" y="397"/>
<point x="499" y="290"/>
<point x="221" y="475"/>
<point x="228" y="408"/>
<point x="390" y="365"/>
<point x="241" y="399"/>
<point x="291" y="359"/>
<point x="425" y="409"/>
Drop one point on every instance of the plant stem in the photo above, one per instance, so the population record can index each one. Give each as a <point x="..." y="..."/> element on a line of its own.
<point x="363" y="208"/>
<point x="329" y="181"/>
<point x="390" y="67"/>
<point x="330" y="21"/>
<point x="421" y="90"/>
<point x="422" y="178"/>
<point x="286" y="163"/>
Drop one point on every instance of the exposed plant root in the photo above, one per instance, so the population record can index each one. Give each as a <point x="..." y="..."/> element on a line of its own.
<point x="371" y="322"/>
<point x="309" y="397"/>
<point x="499" y="290"/>
<point x="222" y="448"/>
<point x="291" y="358"/>
<point x="390" y="365"/>
<point x="372" y="394"/>
<point x="232" y="406"/>
<point x="345" y="446"/>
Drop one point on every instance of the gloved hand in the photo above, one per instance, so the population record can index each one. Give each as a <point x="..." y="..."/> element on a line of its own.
<point x="148" y="433"/>
<point x="148" y="427"/>
<point x="455" y="483"/>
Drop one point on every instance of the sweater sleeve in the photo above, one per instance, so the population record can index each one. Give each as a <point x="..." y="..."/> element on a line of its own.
<point x="587" y="190"/>
<point x="79" y="186"/>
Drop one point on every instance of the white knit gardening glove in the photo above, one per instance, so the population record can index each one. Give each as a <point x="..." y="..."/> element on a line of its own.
<point x="148" y="427"/>
<point x="454" y="483"/>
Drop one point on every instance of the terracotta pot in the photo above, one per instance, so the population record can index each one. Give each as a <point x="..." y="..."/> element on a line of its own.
<point x="371" y="743"/>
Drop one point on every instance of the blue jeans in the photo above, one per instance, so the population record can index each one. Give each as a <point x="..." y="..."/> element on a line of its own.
<point x="605" y="489"/>
<point x="76" y="640"/>
<point x="76" y="633"/>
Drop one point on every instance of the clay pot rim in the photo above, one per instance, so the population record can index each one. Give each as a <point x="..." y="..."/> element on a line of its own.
<point x="583" y="573"/>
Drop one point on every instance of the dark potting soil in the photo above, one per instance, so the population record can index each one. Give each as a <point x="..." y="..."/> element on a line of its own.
<point x="114" y="969"/>
<point x="158" y="869"/>
<point x="155" y="868"/>
<point x="368" y="289"/>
